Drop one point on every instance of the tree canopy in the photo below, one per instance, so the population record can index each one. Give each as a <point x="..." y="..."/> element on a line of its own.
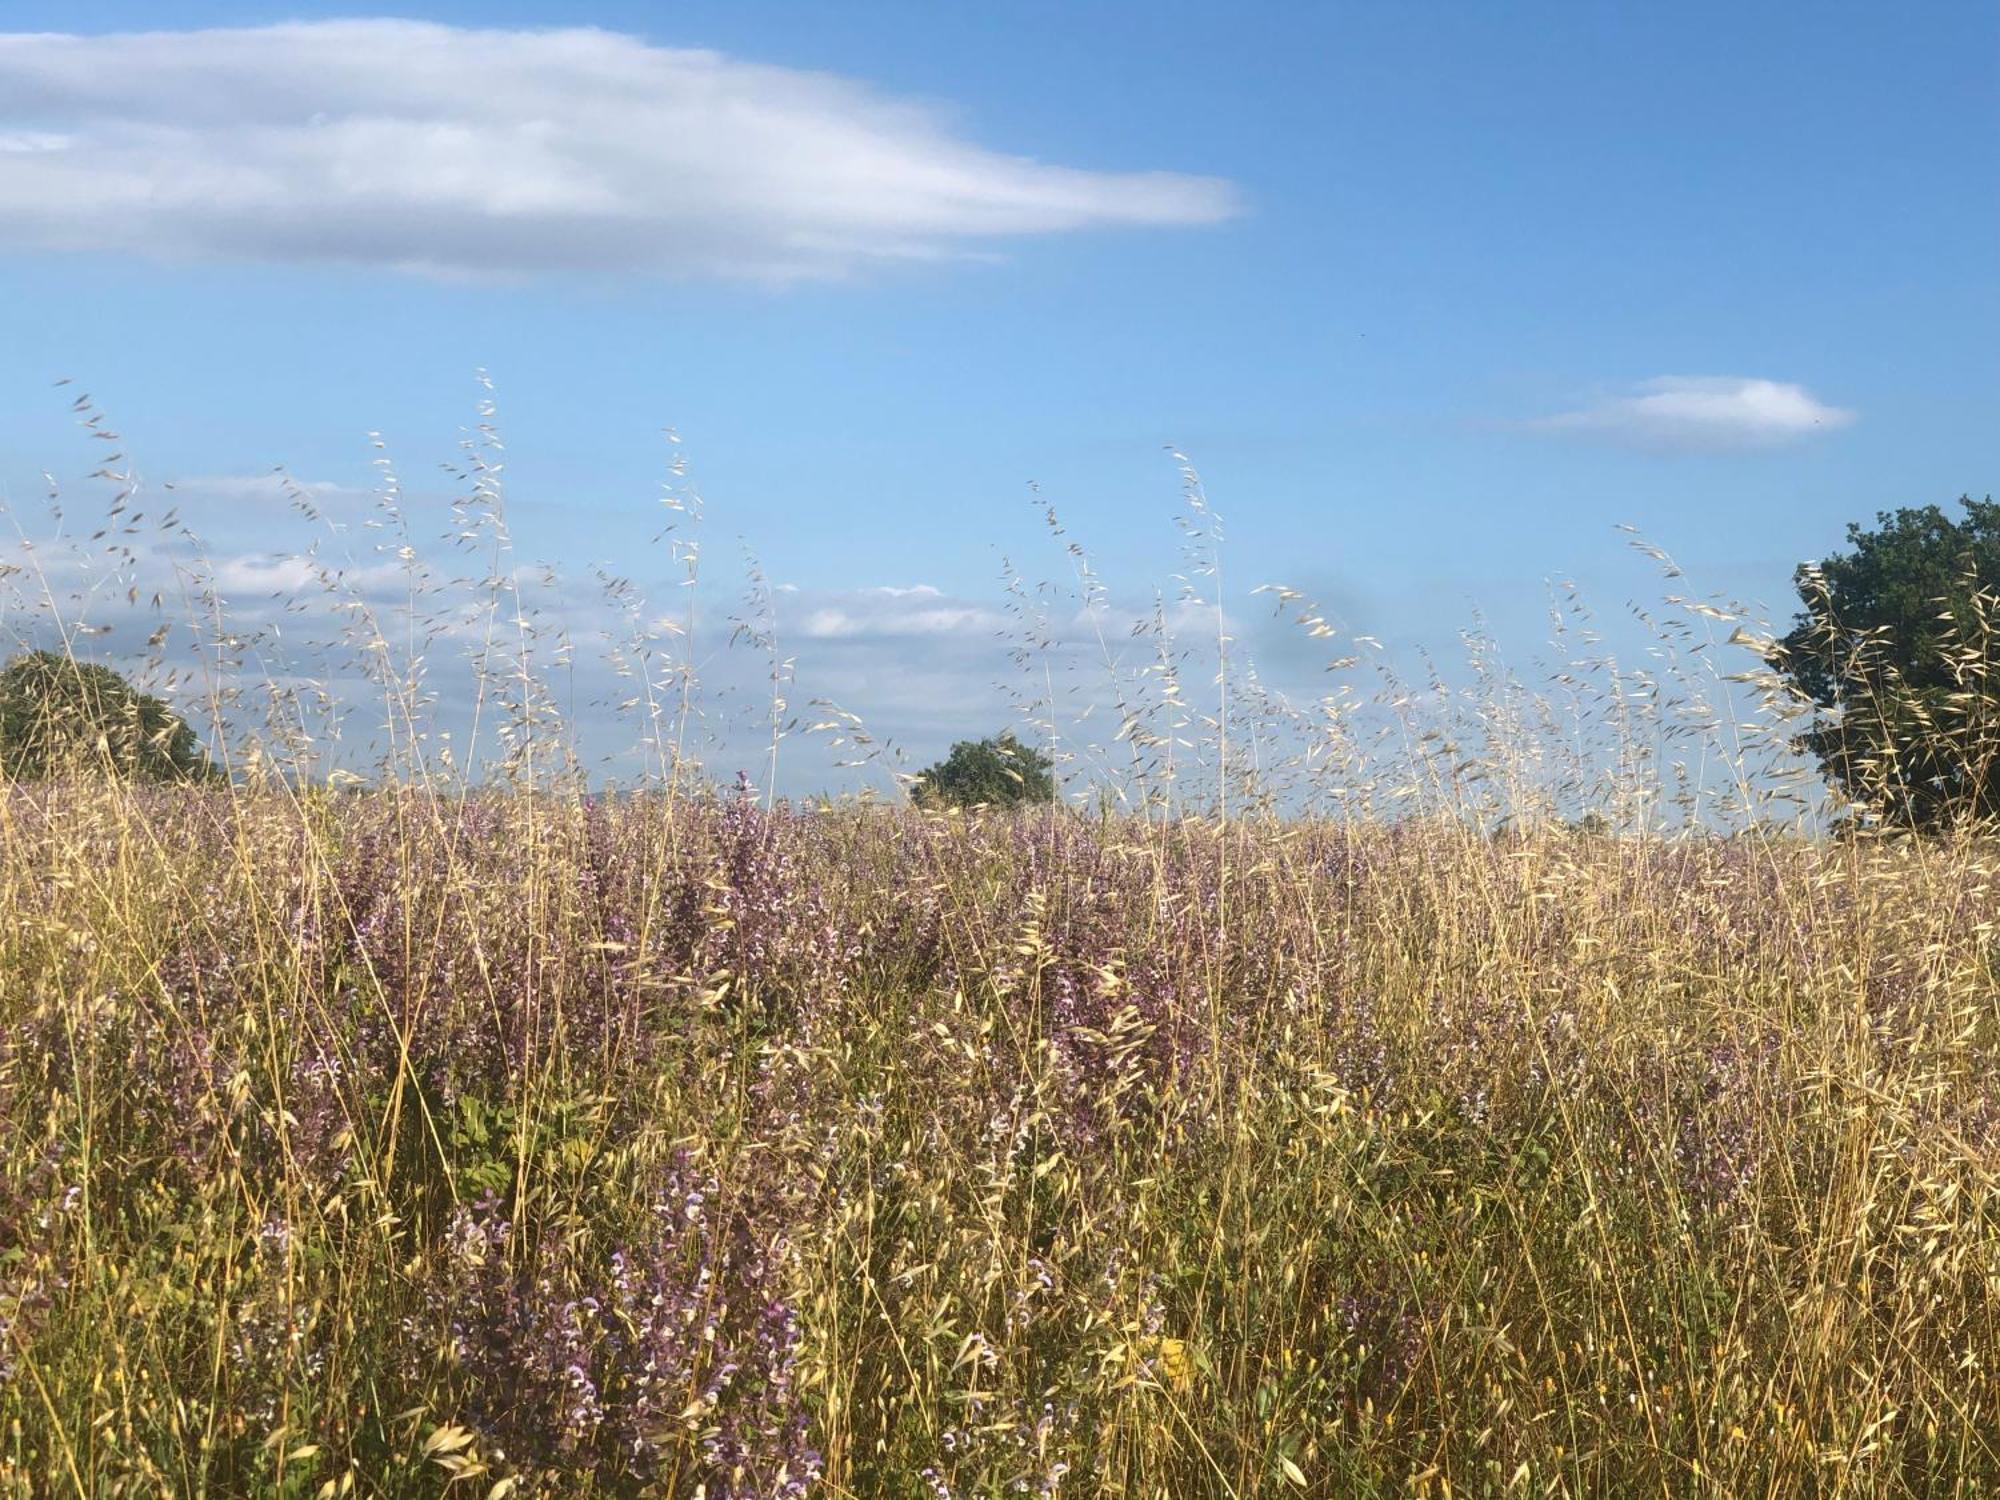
<point x="996" y="772"/>
<point x="1897" y="646"/>
<point x="60" y="716"/>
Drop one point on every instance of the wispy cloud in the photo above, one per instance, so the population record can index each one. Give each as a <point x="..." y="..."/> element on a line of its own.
<point x="891" y="612"/>
<point x="1703" y="412"/>
<point x="292" y="576"/>
<point x="458" y="151"/>
<point x="261" y="489"/>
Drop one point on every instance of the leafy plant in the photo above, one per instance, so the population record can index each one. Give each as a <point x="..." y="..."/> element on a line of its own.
<point x="61" y="715"/>
<point x="1897" y="647"/>
<point x="995" y="772"/>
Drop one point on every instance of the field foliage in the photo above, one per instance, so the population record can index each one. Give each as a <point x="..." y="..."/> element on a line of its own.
<point x="386" y="1141"/>
<point x="1473" y="1087"/>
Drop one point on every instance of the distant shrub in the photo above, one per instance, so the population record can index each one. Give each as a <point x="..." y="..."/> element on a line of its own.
<point x="995" y="772"/>
<point x="1898" y="647"/>
<point x="60" y="715"/>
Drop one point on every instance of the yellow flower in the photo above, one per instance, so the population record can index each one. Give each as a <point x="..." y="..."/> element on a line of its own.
<point x="1172" y="1364"/>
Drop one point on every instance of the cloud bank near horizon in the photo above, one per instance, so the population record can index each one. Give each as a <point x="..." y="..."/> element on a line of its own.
<point x="456" y="151"/>
<point x="1703" y="413"/>
<point x="225" y="605"/>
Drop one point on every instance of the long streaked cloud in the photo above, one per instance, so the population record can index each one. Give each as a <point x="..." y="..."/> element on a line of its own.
<point x="270" y="489"/>
<point x="1703" y="412"/>
<point x="254" y="575"/>
<point x="459" y="151"/>
<point x="891" y="611"/>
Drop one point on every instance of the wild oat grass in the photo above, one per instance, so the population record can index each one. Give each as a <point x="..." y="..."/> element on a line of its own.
<point x="1353" y="1128"/>
<point x="376" y="1142"/>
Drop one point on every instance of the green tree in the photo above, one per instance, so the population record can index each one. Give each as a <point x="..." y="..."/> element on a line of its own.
<point x="59" y="715"/>
<point x="1898" y="644"/>
<point x="998" y="772"/>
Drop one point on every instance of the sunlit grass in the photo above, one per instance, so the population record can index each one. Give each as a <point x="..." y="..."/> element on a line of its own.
<point x="370" y="1140"/>
<point x="1325" y="1112"/>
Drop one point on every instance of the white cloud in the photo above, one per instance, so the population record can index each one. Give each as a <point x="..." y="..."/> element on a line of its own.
<point x="466" y="152"/>
<point x="271" y="489"/>
<point x="1704" y="412"/>
<point x="294" y="574"/>
<point x="888" y="612"/>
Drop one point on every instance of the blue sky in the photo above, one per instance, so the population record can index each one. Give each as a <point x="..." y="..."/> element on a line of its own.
<point x="1433" y="295"/>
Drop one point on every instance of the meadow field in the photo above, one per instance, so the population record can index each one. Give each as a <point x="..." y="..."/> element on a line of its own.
<point x="396" y="1142"/>
<point x="1487" y="1084"/>
<point x="937" y="977"/>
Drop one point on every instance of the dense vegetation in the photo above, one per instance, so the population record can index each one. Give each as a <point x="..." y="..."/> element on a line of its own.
<point x="633" y="1146"/>
<point x="60" y="715"/>
<point x="998" y="771"/>
<point x="1897" y="644"/>
<point x="1457" y="1089"/>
